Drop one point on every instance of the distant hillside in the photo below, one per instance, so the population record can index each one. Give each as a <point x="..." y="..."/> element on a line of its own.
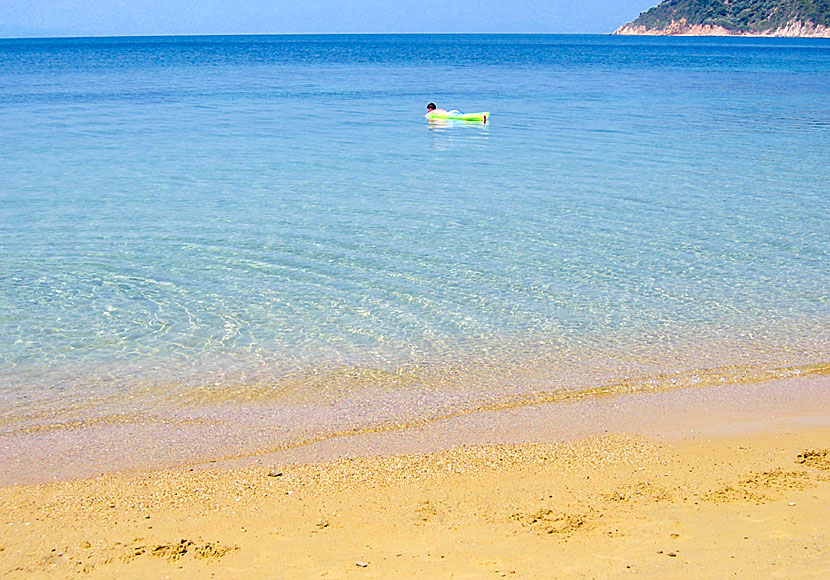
<point x="734" y="17"/>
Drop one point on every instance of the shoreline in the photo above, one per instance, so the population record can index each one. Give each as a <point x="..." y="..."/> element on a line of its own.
<point x="605" y="506"/>
<point x="682" y="28"/>
<point x="672" y="405"/>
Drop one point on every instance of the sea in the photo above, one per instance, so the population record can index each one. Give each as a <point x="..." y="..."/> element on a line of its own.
<point x="216" y="245"/>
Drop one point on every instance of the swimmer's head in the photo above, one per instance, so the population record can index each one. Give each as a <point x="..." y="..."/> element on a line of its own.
<point x="431" y="107"/>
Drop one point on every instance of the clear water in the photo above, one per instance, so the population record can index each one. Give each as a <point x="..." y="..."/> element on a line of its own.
<point x="229" y="219"/>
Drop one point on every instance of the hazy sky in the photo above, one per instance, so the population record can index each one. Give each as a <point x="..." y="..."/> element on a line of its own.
<point x="130" y="17"/>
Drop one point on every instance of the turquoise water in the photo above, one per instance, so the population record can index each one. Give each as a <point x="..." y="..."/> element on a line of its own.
<point x="240" y="216"/>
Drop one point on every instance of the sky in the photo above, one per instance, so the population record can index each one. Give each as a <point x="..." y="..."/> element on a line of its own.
<point x="154" y="17"/>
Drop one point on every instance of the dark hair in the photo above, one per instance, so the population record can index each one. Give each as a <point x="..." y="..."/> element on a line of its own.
<point x="431" y="106"/>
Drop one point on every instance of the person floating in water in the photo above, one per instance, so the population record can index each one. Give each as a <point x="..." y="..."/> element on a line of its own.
<point x="436" y="114"/>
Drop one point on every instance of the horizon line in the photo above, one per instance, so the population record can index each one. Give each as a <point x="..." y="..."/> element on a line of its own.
<point x="195" y="34"/>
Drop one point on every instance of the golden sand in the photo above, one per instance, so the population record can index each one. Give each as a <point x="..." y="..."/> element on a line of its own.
<point x="614" y="506"/>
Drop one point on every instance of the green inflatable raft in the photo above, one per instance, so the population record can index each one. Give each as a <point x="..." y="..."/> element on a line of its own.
<point x="459" y="116"/>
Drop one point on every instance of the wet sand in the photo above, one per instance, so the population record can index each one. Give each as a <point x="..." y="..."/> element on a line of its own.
<point x="724" y="400"/>
<point x="610" y="506"/>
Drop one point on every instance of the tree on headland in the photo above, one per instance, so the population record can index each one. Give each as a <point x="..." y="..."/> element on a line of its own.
<point x="740" y="16"/>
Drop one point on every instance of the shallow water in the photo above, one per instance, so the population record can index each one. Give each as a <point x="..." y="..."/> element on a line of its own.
<point x="269" y="225"/>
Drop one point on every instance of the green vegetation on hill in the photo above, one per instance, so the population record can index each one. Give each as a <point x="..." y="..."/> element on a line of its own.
<point x="743" y="15"/>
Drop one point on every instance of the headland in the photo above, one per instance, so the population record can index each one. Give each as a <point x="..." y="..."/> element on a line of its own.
<point x="769" y="18"/>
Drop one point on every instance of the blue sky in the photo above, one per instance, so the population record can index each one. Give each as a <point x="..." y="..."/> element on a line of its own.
<point x="131" y="17"/>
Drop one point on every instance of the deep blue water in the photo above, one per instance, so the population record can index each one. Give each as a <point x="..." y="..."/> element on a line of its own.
<point x="218" y="211"/>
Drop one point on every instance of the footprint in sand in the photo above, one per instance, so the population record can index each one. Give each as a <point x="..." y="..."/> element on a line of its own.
<point x="760" y="487"/>
<point x="816" y="458"/>
<point x="561" y="524"/>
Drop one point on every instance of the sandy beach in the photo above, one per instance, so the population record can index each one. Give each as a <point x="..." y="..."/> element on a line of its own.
<point x="612" y="506"/>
